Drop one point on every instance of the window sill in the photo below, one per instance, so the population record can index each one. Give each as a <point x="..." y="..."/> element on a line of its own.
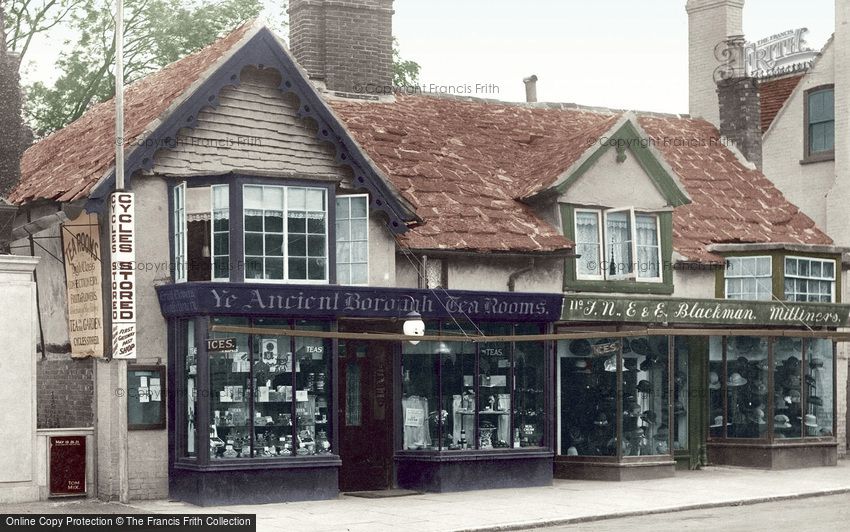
<point x="474" y="455"/>
<point x="625" y="287"/>
<point x="289" y="462"/>
<point x="818" y="158"/>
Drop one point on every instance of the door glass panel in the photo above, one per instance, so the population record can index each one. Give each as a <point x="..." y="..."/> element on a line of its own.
<point x="529" y="395"/>
<point x="746" y="383"/>
<point x="681" y="389"/>
<point x="353" y="401"/>
<point x="716" y="423"/>
<point x="645" y="425"/>
<point x="494" y="411"/>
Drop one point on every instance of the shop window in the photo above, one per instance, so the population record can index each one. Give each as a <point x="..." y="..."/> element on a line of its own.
<point x="820" y="122"/>
<point x="801" y="398"/>
<point x="819" y="396"/>
<point x="810" y="280"/>
<point x="749" y="278"/>
<point x="461" y="396"/>
<point x="285" y="233"/>
<point x="352" y="239"/>
<point x="617" y="244"/>
<point x="271" y="397"/>
<point x="681" y="390"/>
<point x="746" y="387"/>
<point x="716" y="410"/>
<point x="189" y="352"/>
<point x="589" y="397"/>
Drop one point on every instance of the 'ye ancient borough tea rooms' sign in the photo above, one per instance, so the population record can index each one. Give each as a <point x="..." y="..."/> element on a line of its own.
<point x="705" y="311"/>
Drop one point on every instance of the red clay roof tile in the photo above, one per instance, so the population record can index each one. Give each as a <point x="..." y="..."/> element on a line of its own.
<point x="773" y="93"/>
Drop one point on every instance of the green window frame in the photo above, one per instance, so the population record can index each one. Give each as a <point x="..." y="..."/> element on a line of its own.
<point x="820" y="122"/>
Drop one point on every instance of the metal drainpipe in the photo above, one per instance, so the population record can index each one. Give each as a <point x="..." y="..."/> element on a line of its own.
<point x="514" y="276"/>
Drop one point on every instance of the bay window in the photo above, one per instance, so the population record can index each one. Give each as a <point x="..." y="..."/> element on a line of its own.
<point x="257" y="230"/>
<point x="749" y="278"/>
<point x="810" y="280"/>
<point x="617" y="244"/>
<point x="294" y="215"/>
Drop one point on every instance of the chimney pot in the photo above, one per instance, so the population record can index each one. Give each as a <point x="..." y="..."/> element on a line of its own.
<point x="530" y="88"/>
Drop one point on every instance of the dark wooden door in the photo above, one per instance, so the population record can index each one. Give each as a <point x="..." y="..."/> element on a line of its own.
<point x="365" y="416"/>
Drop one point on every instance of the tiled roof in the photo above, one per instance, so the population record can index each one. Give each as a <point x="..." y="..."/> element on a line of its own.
<point x="462" y="163"/>
<point x="773" y="93"/>
<point x="67" y="164"/>
<point x="731" y="202"/>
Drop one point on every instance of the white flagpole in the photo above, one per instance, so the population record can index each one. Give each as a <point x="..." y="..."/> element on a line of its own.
<point x="115" y="254"/>
<point x="119" y="96"/>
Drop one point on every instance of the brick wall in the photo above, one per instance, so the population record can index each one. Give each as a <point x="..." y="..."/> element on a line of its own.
<point x="740" y="116"/>
<point x="65" y="392"/>
<point x="345" y="43"/>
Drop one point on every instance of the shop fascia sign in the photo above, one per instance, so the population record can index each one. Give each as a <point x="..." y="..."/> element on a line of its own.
<point x="778" y="54"/>
<point x="704" y="312"/>
<point x="338" y="301"/>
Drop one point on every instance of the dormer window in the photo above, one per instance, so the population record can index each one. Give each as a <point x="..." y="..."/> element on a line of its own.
<point x="617" y="244"/>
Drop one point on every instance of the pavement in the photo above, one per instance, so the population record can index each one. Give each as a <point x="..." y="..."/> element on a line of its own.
<point x="566" y="502"/>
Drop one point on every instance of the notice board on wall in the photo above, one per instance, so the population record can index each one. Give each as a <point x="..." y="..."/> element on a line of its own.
<point x="67" y="465"/>
<point x="146" y="397"/>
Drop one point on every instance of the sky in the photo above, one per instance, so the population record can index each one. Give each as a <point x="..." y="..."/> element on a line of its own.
<point x="608" y="53"/>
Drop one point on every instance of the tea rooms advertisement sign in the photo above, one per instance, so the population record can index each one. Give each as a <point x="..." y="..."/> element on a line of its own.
<point x="81" y="248"/>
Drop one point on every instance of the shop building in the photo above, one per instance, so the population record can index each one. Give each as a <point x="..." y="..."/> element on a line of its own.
<point x="285" y="234"/>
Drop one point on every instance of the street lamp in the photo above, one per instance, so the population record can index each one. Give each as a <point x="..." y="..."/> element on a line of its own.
<point x="414" y="326"/>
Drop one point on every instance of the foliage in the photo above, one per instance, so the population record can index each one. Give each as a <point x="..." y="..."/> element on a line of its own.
<point x="157" y="32"/>
<point x="405" y="72"/>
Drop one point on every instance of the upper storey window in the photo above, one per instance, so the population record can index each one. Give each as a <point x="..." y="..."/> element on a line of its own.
<point x="617" y="244"/>
<point x="820" y="123"/>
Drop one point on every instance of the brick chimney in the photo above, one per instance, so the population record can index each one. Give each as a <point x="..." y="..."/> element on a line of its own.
<point x="13" y="135"/>
<point x="345" y="44"/>
<point x="710" y="23"/>
<point x="739" y="103"/>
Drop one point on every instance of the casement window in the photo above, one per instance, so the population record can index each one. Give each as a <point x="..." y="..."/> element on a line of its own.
<point x="285" y="233"/>
<point x="749" y="278"/>
<point x="811" y="280"/>
<point x="179" y="231"/>
<point x="220" y="234"/>
<point x="820" y="122"/>
<point x="352" y="239"/>
<point x="617" y="244"/>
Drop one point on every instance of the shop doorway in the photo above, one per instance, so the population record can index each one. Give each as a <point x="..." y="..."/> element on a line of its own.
<point x="365" y="416"/>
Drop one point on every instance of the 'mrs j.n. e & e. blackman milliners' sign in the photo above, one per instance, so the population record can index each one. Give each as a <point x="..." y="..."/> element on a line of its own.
<point x="704" y="312"/>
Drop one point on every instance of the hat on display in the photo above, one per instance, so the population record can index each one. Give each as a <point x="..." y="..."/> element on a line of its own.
<point x="815" y="400"/>
<point x="679" y="408"/>
<point x="781" y="422"/>
<point x="713" y="381"/>
<point x="747" y="343"/>
<point x="572" y="451"/>
<point x="581" y="364"/>
<point x="743" y="362"/>
<point x="627" y="345"/>
<point x="611" y="364"/>
<point x="792" y="362"/>
<point x="644" y="386"/>
<point x="789" y="345"/>
<point x="601" y="420"/>
<point x="718" y="422"/>
<point x="736" y="380"/>
<point x="663" y="432"/>
<point x="761" y="388"/>
<point x="649" y="416"/>
<point x="641" y="346"/>
<point x="632" y="409"/>
<point x="810" y="421"/>
<point x="793" y="381"/>
<point x="580" y="347"/>
<point x="815" y="363"/>
<point x="810" y="381"/>
<point x="795" y="396"/>
<point x="649" y="363"/>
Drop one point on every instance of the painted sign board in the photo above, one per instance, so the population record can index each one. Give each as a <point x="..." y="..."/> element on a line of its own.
<point x="83" y="279"/>
<point x="67" y="465"/>
<point x="123" y="267"/>
<point x="704" y="312"/>
<point x="346" y="301"/>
